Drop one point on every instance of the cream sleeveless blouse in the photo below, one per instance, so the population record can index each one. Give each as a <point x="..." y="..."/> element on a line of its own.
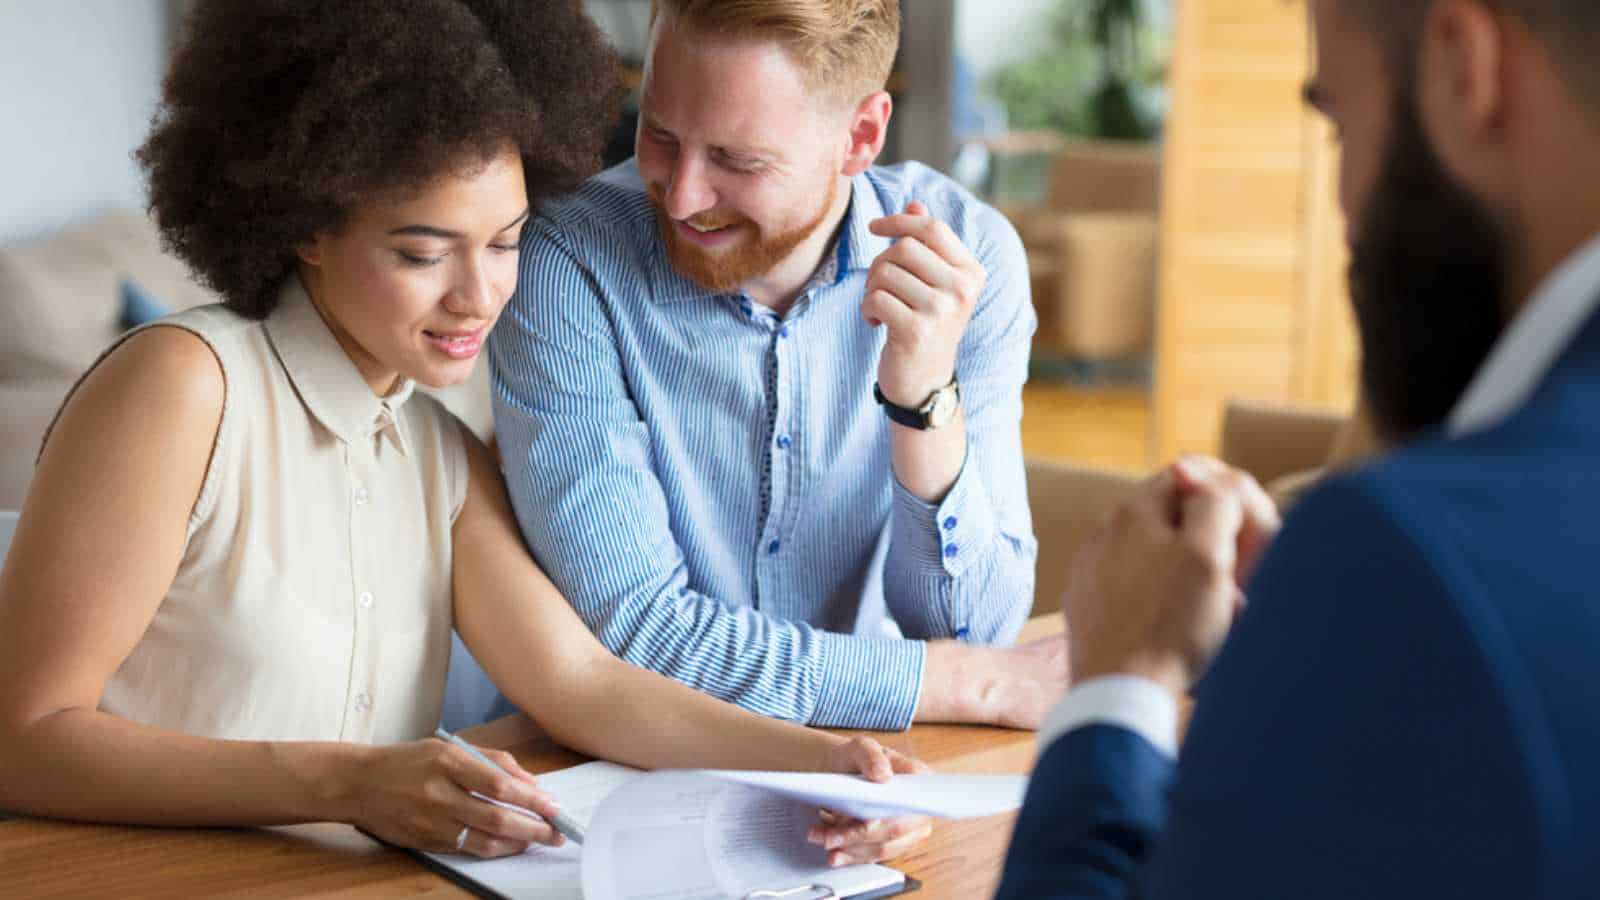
<point x="313" y="600"/>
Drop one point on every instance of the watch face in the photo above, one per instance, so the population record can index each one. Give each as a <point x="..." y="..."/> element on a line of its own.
<point x="944" y="408"/>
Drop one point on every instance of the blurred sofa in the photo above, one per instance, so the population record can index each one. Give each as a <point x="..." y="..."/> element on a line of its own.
<point x="62" y="300"/>
<point x="1092" y="249"/>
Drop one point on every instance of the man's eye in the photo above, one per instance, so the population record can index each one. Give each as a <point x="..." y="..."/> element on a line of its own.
<point x="503" y="248"/>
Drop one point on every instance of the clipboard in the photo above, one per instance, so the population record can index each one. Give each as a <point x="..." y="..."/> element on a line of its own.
<point x="824" y="892"/>
<point x="799" y="892"/>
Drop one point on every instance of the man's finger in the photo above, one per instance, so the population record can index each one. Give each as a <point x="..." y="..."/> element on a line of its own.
<point x="1261" y="519"/>
<point x="1261" y="523"/>
<point x="912" y="291"/>
<point x="1212" y="519"/>
<point x="936" y="235"/>
<point x="880" y="307"/>
<point x="915" y="257"/>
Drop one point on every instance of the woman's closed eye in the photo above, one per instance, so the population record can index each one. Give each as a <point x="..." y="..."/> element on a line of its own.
<point x="420" y="260"/>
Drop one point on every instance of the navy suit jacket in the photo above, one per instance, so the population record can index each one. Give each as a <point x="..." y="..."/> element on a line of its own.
<point x="1409" y="707"/>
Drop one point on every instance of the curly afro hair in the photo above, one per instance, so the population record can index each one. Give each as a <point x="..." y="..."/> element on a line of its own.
<point x="279" y="116"/>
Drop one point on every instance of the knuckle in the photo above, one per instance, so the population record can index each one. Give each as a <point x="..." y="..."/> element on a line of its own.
<point x="1200" y="564"/>
<point x="499" y="821"/>
<point x="433" y="790"/>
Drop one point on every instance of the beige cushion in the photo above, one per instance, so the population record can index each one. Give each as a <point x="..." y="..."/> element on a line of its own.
<point x="1069" y="504"/>
<point x="29" y="408"/>
<point x="58" y="306"/>
<point x="60" y="297"/>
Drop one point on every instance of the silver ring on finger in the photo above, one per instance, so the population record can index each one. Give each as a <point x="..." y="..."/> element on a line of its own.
<point x="461" y="839"/>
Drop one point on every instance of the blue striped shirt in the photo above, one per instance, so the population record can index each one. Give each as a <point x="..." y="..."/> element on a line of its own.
<point x="710" y="485"/>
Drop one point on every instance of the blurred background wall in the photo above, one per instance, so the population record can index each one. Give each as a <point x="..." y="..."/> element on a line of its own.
<point x="82" y="78"/>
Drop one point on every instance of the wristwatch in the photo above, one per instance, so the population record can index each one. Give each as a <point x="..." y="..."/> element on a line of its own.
<point x="937" y="411"/>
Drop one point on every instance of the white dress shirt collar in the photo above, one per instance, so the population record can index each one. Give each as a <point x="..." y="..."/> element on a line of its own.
<point x="1540" y="333"/>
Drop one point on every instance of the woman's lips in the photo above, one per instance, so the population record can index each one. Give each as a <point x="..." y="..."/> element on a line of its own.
<point x="456" y="344"/>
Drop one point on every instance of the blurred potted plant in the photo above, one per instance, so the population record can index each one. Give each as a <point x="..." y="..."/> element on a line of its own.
<point x="1087" y="109"/>
<point x="1100" y="76"/>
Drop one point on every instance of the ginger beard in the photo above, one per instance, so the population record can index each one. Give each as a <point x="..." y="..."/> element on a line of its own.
<point x="723" y="270"/>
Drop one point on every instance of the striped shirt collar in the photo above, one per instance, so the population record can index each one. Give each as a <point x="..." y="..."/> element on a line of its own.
<point x="1526" y="352"/>
<point x="328" y="382"/>
<point x="854" y="249"/>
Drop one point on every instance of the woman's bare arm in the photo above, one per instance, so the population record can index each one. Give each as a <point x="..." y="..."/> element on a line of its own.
<point x="98" y="545"/>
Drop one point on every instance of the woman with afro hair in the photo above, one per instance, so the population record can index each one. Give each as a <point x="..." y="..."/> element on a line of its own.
<point x="230" y="597"/>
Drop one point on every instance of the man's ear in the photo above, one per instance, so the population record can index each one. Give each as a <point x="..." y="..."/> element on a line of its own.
<point x="1463" y="89"/>
<point x="869" y="128"/>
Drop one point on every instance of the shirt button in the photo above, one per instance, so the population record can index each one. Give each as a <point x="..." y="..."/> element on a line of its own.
<point x="363" y="703"/>
<point x="773" y="547"/>
<point x="784" y="443"/>
<point x="361" y="496"/>
<point x="783" y="331"/>
<point x="949" y="523"/>
<point x="961" y="632"/>
<point x="950" y="551"/>
<point x="366" y="599"/>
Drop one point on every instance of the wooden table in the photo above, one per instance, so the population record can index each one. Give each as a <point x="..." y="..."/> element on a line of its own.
<point x="40" y="858"/>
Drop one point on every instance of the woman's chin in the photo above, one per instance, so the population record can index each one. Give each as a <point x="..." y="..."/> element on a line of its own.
<point x="445" y="375"/>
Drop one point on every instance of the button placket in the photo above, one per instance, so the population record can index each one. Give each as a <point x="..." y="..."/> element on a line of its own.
<point x="774" y="488"/>
<point x="360" y="710"/>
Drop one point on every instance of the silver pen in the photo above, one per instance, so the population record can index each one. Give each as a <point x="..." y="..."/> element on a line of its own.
<point x="560" y="822"/>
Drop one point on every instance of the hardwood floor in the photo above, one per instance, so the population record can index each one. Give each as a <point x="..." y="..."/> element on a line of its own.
<point x="1104" y="427"/>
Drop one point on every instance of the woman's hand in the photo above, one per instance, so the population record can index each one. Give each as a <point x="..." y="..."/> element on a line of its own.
<point x="418" y="795"/>
<point x="852" y="841"/>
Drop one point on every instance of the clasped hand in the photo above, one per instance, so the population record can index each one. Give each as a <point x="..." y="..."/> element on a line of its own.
<point x="1154" y="594"/>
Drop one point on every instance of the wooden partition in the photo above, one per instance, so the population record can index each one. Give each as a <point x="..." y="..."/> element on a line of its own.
<point x="1252" y="300"/>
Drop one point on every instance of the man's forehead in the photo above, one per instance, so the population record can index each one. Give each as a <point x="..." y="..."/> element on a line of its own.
<point x="726" y="93"/>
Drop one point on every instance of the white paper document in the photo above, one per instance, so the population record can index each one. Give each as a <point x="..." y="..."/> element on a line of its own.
<point x="702" y="835"/>
<point x="941" y="796"/>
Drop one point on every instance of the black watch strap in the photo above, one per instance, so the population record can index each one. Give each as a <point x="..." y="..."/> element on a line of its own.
<point x="900" y="415"/>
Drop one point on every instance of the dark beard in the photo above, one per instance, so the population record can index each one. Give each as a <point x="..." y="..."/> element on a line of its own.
<point x="1428" y="277"/>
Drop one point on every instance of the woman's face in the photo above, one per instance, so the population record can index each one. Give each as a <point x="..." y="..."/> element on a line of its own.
<point x="411" y="287"/>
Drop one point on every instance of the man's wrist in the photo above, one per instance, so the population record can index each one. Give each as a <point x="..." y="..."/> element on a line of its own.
<point x="955" y="683"/>
<point x="1168" y="672"/>
<point x="937" y="701"/>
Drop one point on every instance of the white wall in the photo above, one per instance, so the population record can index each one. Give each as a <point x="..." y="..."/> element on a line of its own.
<point x="81" y="79"/>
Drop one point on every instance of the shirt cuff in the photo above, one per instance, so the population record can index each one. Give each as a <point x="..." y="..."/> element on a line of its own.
<point x="1137" y="704"/>
<point x="872" y="683"/>
<point x="950" y="536"/>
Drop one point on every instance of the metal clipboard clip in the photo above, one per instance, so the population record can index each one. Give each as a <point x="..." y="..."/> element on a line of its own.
<point x="803" y="892"/>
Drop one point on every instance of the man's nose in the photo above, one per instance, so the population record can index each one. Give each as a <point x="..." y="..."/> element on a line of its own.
<point x="688" y="191"/>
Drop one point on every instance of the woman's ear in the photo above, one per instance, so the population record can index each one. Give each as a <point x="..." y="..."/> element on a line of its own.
<point x="310" y="252"/>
